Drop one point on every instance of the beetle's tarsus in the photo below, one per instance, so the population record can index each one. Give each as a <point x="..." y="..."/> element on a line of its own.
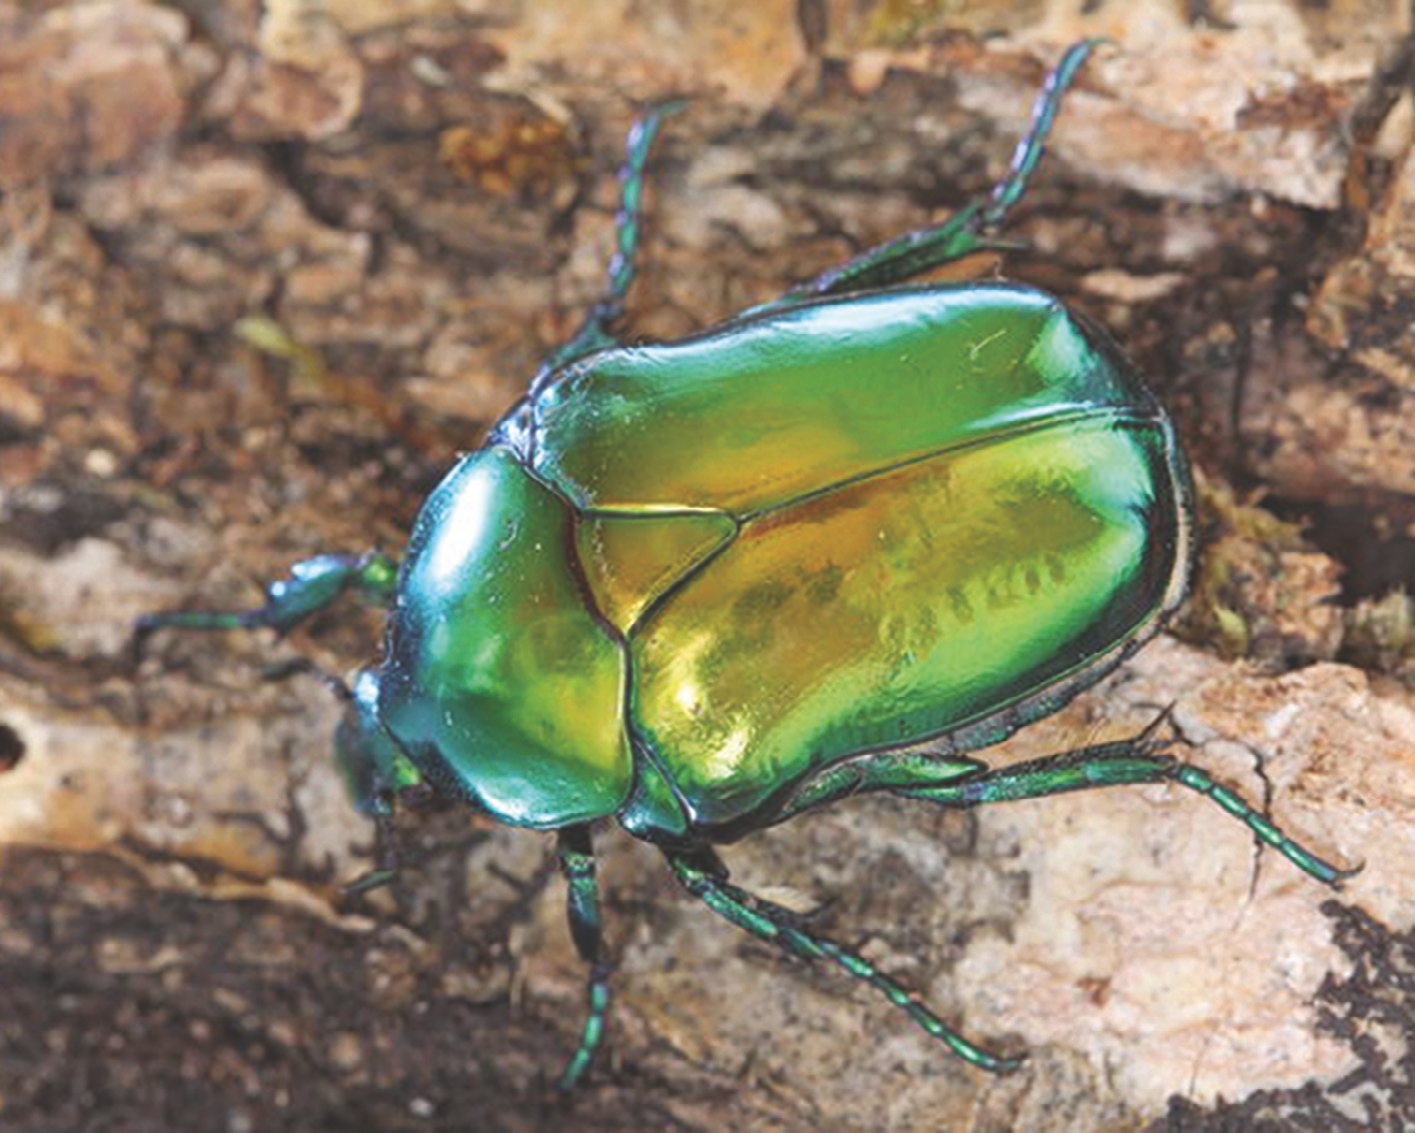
<point x="1342" y="874"/>
<point x="967" y="231"/>
<point x="385" y="854"/>
<point x="592" y="1034"/>
<point x="1030" y="149"/>
<point x="703" y="875"/>
<point x="628" y="229"/>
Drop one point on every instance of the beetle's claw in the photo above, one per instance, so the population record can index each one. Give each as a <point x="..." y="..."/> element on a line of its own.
<point x="1342" y="874"/>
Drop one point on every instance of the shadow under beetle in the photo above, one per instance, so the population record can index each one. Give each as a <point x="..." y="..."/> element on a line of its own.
<point x="704" y="586"/>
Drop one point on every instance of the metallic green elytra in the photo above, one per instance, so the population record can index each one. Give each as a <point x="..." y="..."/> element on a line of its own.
<point x="735" y="561"/>
<point x="702" y="586"/>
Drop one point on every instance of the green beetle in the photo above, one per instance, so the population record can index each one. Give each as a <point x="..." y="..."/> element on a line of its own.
<point x="704" y="586"/>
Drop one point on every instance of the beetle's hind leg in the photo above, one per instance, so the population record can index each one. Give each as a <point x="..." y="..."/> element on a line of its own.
<point x="702" y="873"/>
<point x="594" y="331"/>
<point x="311" y="585"/>
<point x="575" y="853"/>
<point x="1138" y="760"/>
<point x="966" y="231"/>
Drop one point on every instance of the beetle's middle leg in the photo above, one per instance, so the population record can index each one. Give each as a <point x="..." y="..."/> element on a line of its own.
<point x="575" y="853"/>
<point x="1138" y="760"/>
<point x="702" y="873"/>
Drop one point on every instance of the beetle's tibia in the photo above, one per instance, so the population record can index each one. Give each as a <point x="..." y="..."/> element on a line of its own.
<point x="777" y="925"/>
<point x="311" y="585"/>
<point x="575" y="853"/>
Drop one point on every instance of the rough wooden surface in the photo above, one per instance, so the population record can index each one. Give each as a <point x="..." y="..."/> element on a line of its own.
<point x="265" y="269"/>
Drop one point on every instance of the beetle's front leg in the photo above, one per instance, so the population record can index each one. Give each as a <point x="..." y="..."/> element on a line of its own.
<point x="311" y="585"/>
<point x="575" y="853"/>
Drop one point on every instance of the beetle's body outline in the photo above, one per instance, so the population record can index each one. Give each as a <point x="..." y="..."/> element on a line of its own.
<point x="530" y="587"/>
<point x="958" y="562"/>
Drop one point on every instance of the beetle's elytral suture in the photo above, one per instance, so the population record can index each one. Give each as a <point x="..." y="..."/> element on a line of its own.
<point x="944" y="512"/>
